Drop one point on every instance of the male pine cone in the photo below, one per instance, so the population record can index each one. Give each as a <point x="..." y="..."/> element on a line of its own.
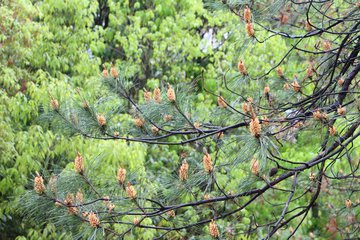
<point x="183" y="171"/>
<point x="39" y="186"/>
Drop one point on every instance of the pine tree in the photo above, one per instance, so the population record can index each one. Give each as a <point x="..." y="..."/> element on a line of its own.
<point x="233" y="161"/>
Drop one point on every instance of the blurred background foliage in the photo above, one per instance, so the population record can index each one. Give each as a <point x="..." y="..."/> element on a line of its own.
<point x="51" y="47"/>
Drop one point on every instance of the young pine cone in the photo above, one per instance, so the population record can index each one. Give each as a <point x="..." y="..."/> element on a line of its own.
<point x="208" y="165"/>
<point x="121" y="175"/>
<point x="255" y="169"/>
<point x="221" y="102"/>
<point x="247" y="14"/>
<point x="171" y="94"/>
<point x="157" y="95"/>
<point x="255" y="127"/>
<point x="183" y="171"/>
<point x="130" y="191"/>
<point x="250" y="29"/>
<point x="39" y="186"/>
<point x="105" y="71"/>
<point x="93" y="220"/>
<point x="147" y="96"/>
<point x="79" y="163"/>
<point x="213" y="229"/>
<point x="242" y="68"/>
<point x="113" y="71"/>
<point x="54" y="104"/>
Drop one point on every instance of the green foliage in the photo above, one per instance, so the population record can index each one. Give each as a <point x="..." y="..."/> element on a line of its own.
<point x="50" y="48"/>
<point x="160" y="40"/>
<point x="45" y="48"/>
